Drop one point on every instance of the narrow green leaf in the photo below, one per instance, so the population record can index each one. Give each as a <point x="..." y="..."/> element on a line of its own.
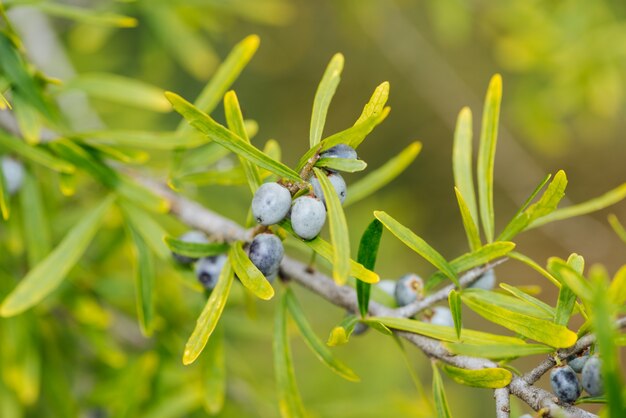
<point x="27" y="118"/>
<point x="601" y="202"/>
<point x="454" y="301"/>
<point x="195" y="250"/>
<point x="207" y="321"/>
<point x="5" y="204"/>
<point x="368" y="250"/>
<point x="214" y="373"/>
<point x="532" y="264"/>
<point x="314" y="343"/>
<point x="144" y="282"/>
<point x="439" y="394"/>
<point x="590" y="400"/>
<point x="617" y="227"/>
<point x="492" y="378"/>
<point x="234" y="119"/>
<point x="342" y="164"/>
<point x="121" y="90"/>
<point x="249" y="275"/>
<point x="226" y="138"/>
<point x="323" y="97"/>
<point x="418" y="245"/>
<point x="544" y="206"/>
<point x="471" y="230"/>
<point x="340" y="334"/>
<point x="144" y="139"/>
<point x="325" y="250"/>
<point x="462" y="163"/>
<point x="48" y="275"/>
<point x="380" y="177"/>
<point x="540" y="330"/>
<point x="570" y="278"/>
<point x="567" y="299"/>
<point x="150" y="230"/>
<point x="549" y="310"/>
<point x="521" y="306"/>
<point x="486" y="154"/>
<point x="532" y="196"/>
<point x="84" y="15"/>
<point x="36" y="225"/>
<point x="338" y="226"/>
<point x="376" y="104"/>
<point x="289" y="401"/>
<point x="497" y="351"/>
<point x="35" y="154"/>
<point x="617" y="288"/>
<point x="125" y="156"/>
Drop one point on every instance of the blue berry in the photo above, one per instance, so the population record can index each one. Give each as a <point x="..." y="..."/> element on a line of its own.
<point x="266" y="252"/>
<point x="340" y="151"/>
<point x="409" y="288"/>
<point x="565" y="384"/>
<point x="526" y="416"/>
<point x="338" y="183"/>
<point x="577" y="363"/>
<point x="195" y="237"/>
<point x="308" y="216"/>
<point x="271" y="203"/>
<point x="487" y="281"/>
<point x="442" y="316"/>
<point x="359" y="328"/>
<point x="13" y="172"/>
<point x="208" y="270"/>
<point x="592" y="376"/>
<point x="387" y="286"/>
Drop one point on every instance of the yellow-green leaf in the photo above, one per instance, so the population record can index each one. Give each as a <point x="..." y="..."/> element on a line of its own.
<point x="617" y="288"/>
<point x="249" y="275"/>
<point x="196" y="249"/>
<point x="144" y="282"/>
<point x="36" y="225"/>
<point x="323" y="96"/>
<point x="471" y="230"/>
<point x="569" y="277"/>
<point x="340" y="334"/>
<point x="454" y="301"/>
<point x="150" y="230"/>
<point x="492" y="378"/>
<point x="439" y="395"/>
<point x="497" y="351"/>
<point x="214" y="373"/>
<point x="462" y="162"/>
<point x="163" y="140"/>
<point x="85" y="15"/>
<point x="342" y="164"/>
<point x="617" y="227"/>
<point x="35" y="154"/>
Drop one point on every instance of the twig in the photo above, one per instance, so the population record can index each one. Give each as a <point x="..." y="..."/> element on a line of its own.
<point x="503" y="404"/>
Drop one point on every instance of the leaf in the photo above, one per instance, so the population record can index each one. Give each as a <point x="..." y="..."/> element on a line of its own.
<point x="368" y="250"/>
<point x="35" y="154"/>
<point x="340" y="334"/>
<point x="567" y="298"/>
<point x="617" y="227"/>
<point x="123" y="155"/>
<point x="417" y="244"/>
<point x="151" y="232"/>
<point x="590" y="400"/>
<point x="532" y="264"/>
<point x="471" y="230"/>
<point x="532" y="196"/>
<point x="234" y="119"/>
<point x="5" y="204"/>
<point x="443" y="333"/>
<point x="549" y="310"/>
<point x="518" y="305"/>
<point x="454" y="301"/>
<point x="376" y="104"/>
<point x="144" y="139"/>
<point x="194" y="249"/>
<point x="492" y="378"/>
<point x="249" y="275"/>
<point x="497" y="351"/>
<point x="289" y="402"/>
<point x="486" y="154"/>
<point x="119" y="89"/>
<point x="144" y="281"/>
<point x="325" y="250"/>
<point x="544" y="206"/>
<point x="314" y="343"/>
<point x="48" y="275"/>
<point x="342" y="164"/>
<point x="439" y="394"/>
<point x="207" y="321"/>
<point x="27" y="118"/>
<point x="601" y="202"/>
<point x="569" y="277"/>
<point x="617" y="288"/>
<point x="414" y="377"/>
<point x="539" y="330"/>
<point x="36" y="225"/>
<point x="87" y="16"/>
<point x="227" y="139"/>
<point x="380" y="177"/>
<point x="214" y="373"/>
<point x="323" y="97"/>
<point x="462" y="164"/>
<point x="338" y="226"/>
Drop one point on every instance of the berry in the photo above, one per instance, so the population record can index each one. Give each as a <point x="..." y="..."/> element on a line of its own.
<point x="526" y="416"/>
<point x="208" y="270"/>
<point x="577" y="363"/>
<point x="266" y="252"/>
<point x="271" y="203"/>
<point x="442" y="316"/>
<point x="409" y="288"/>
<point x="195" y="237"/>
<point x="338" y="183"/>
<point x="592" y="376"/>
<point x="340" y="151"/>
<point x="359" y="328"/>
<point x="308" y="216"/>
<point x="487" y="281"/>
<point x="564" y="384"/>
<point x="387" y="286"/>
<point x="13" y="172"/>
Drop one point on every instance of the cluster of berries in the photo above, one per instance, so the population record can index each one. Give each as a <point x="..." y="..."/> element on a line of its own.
<point x="13" y="173"/>
<point x="272" y="202"/>
<point x="565" y="383"/>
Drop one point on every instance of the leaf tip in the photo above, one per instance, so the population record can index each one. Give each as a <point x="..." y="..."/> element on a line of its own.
<point x="252" y="41"/>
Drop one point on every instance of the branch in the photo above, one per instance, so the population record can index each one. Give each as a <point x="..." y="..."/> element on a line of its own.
<point x="503" y="405"/>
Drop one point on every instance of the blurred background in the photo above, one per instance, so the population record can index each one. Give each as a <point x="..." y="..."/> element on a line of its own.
<point x="562" y="64"/>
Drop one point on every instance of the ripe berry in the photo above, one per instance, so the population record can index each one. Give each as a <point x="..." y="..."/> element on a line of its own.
<point x="340" y="151"/>
<point x="487" y="281"/>
<point x="577" y="363"/>
<point x="526" y="416"/>
<point x="388" y="286"/>
<point x="442" y="316"/>
<point x="359" y="328"/>
<point x="308" y="216"/>
<point x="195" y="237"/>
<point x="592" y="376"/>
<point x="208" y="270"/>
<point x="338" y="183"/>
<point x="270" y="203"/>
<point x="266" y="252"/>
<point x="409" y="288"/>
<point x="564" y="384"/>
<point x="13" y="172"/>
